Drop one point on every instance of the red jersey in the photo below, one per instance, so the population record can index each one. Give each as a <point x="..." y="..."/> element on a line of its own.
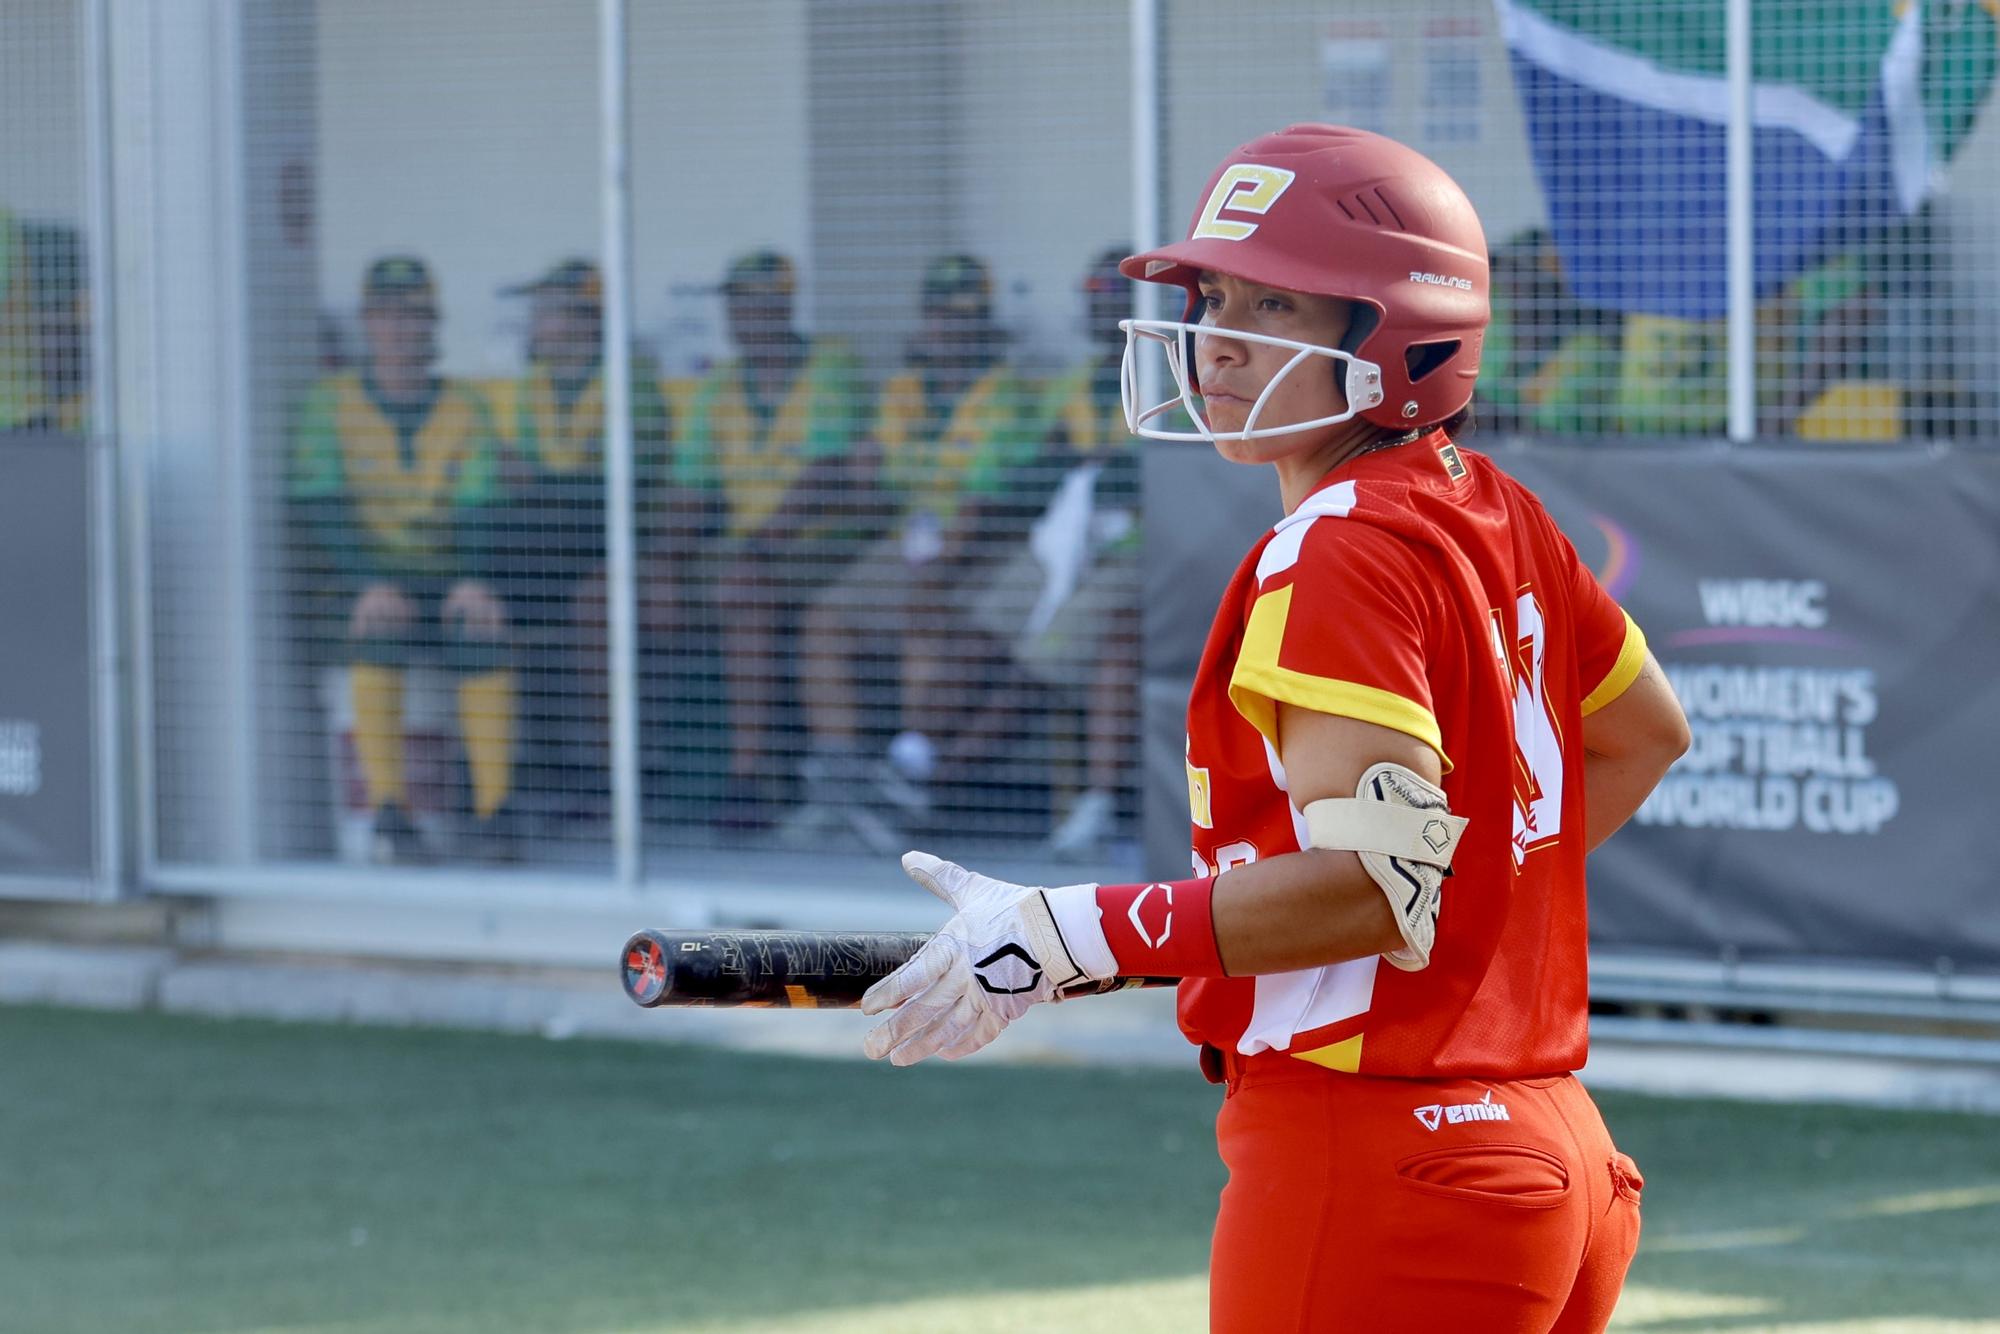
<point x="1423" y="589"/>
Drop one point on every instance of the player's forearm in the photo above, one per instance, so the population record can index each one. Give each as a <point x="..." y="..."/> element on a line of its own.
<point x="1614" y="787"/>
<point x="1628" y="746"/>
<point x="1300" y="910"/>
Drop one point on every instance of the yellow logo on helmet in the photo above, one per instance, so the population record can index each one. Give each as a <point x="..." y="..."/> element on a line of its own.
<point x="1244" y="188"/>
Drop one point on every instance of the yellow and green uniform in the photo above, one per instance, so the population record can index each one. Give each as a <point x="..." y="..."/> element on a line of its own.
<point x="938" y="452"/>
<point x="1085" y="413"/>
<point x="397" y="493"/>
<point x="408" y="495"/>
<point x="558" y="442"/>
<point x="754" y="451"/>
<point x="1085" y="408"/>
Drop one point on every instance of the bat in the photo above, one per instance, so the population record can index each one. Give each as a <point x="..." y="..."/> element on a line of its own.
<point x="796" y="970"/>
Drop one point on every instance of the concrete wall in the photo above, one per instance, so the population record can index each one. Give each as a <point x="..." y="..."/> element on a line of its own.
<point x="857" y="137"/>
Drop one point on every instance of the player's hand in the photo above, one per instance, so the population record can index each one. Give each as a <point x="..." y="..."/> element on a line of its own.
<point x="1000" y="954"/>
<point x="473" y="606"/>
<point x="381" y="610"/>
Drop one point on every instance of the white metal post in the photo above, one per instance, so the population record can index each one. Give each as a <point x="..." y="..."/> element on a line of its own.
<point x="127" y="314"/>
<point x="108" y="733"/>
<point x="240" y="796"/>
<point x="1741" y="233"/>
<point x="621" y="573"/>
<point x="1147" y="113"/>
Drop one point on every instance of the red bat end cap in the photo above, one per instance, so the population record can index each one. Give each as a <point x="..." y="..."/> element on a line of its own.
<point x="645" y="970"/>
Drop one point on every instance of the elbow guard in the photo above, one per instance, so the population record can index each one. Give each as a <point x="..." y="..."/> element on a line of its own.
<point x="1405" y="835"/>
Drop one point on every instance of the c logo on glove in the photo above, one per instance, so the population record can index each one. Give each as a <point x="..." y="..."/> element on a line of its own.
<point x="1008" y="951"/>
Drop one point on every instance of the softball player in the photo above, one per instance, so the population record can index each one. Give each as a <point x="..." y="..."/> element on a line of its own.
<point x="397" y="495"/>
<point x="1410" y="675"/>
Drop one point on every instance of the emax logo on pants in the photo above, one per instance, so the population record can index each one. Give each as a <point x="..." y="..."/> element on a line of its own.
<point x="1485" y="1109"/>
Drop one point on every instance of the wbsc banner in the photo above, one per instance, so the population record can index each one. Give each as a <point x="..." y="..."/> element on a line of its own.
<point x="47" y="778"/>
<point x="1831" y="623"/>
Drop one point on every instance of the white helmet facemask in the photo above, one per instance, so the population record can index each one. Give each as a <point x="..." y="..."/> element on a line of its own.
<point x="1362" y="381"/>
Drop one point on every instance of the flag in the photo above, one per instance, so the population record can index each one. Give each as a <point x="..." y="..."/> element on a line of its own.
<point x="1855" y="105"/>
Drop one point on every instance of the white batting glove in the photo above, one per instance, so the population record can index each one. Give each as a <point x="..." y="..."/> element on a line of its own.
<point x="1008" y="947"/>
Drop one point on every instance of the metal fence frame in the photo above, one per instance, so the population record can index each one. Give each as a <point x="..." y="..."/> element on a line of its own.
<point x="124" y="654"/>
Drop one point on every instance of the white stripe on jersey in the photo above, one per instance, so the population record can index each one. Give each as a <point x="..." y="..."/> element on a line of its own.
<point x="1282" y="551"/>
<point x="1288" y="1004"/>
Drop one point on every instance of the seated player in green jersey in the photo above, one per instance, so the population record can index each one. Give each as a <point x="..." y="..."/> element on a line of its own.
<point x="777" y="433"/>
<point x="396" y="486"/>
<point x="554" y="577"/>
<point x="955" y="432"/>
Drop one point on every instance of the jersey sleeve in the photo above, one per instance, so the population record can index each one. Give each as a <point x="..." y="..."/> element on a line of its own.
<point x="1341" y="630"/>
<point x="1610" y="647"/>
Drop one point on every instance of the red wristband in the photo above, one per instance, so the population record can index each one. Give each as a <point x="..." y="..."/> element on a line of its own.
<point x="1165" y="929"/>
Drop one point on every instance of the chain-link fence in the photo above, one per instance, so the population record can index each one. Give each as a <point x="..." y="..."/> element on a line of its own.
<point x="884" y="513"/>
<point x="44" y="288"/>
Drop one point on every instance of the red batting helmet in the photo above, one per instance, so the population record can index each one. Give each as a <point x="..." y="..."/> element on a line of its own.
<point x="1344" y="213"/>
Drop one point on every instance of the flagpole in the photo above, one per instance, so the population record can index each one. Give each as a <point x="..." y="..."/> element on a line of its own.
<point x="1742" y="270"/>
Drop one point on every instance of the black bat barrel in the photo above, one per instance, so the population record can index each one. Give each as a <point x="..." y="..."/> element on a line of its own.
<point x="778" y="969"/>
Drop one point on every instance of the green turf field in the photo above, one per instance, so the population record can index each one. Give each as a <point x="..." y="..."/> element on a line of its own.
<point x="174" y="1174"/>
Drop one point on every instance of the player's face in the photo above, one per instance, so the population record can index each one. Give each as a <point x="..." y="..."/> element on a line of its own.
<point x="1234" y="371"/>
<point x="959" y="338"/>
<point x="564" y="332"/>
<point x="759" y="317"/>
<point x="401" y="332"/>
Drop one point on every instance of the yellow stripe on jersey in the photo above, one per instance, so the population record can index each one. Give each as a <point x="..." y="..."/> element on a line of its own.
<point x="1258" y="683"/>
<point x="1342" y="1056"/>
<point x="1623" y="672"/>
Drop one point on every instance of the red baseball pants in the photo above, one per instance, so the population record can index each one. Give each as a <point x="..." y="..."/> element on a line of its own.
<point x="1383" y="1205"/>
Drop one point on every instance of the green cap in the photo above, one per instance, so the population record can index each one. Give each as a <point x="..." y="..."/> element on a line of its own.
<point x="764" y="271"/>
<point x="958" y="282"/>
<point x="575" y="277"/>
<point x="402" y="278"/>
